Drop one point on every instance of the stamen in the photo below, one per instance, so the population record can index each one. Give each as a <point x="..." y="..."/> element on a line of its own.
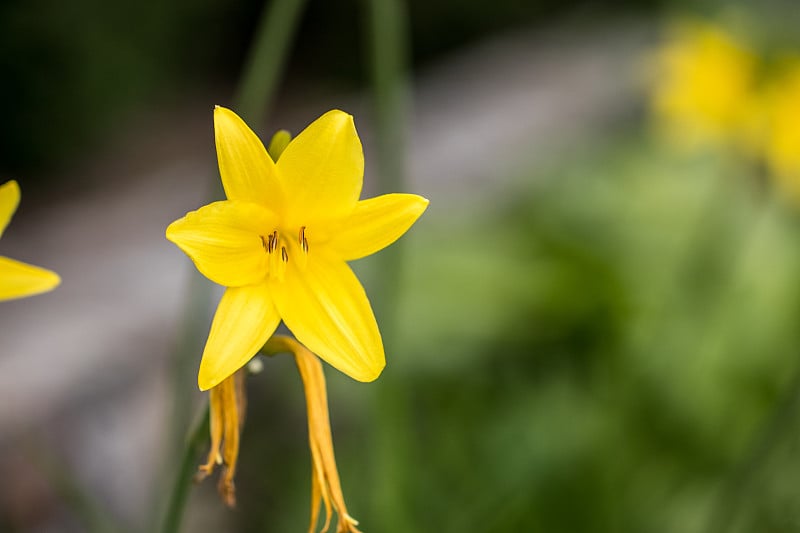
<point x="263" y="242"/>
<point x="302" y="240"/>
<point x="273" y="242"/>
<point x="284" y="254"/>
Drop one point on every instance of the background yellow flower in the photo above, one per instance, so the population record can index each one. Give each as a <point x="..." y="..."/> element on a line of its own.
<point x="782" y="139"/>
<point x="703" y="86"/>
<point x="17" y="279"/>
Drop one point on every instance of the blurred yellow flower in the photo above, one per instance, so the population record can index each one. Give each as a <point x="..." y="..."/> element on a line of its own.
<point x="782" y="136"/>
<point x="703" y="87"/>
<point x="280" y="243"/>
<point x="17" y="279"/>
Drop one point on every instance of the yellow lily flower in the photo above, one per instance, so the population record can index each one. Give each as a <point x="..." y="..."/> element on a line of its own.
<point x="17" y="279"/>
<point x="280" y="243"/>
<point x="782" y="140"/>
<point x="703" y="87"/>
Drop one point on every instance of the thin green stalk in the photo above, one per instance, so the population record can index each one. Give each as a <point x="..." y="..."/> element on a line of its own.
<point x="387" y="30"/>
<point x="387" y="34"/>
<point x="197" y="441"/>
<point x="267" y="58"/>
<point x="257" y="86"/>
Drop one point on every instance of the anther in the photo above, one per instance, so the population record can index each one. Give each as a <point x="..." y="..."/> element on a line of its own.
<point x="284" y="254"/>
<point x="263" y="242"/>
<point x="272" y="245"/>
<point x="302" y="239"/>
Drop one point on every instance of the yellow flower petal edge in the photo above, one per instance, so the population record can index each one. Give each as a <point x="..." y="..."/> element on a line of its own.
<point x="281" y="240"/>
<point x="247" y="171"/>
<point x="222" y="240"/>
<point x="9" y="200"/>
<point x="376" y="223"/>
<point x="18" y="280"/>
<point x="327" y="309"/>
<point x="322" y="170"/>
<point x="244" y="321"/>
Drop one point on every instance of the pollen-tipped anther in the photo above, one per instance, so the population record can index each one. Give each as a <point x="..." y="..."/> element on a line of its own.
<point x="272" y="245"/>
<point x="302" y="239"/>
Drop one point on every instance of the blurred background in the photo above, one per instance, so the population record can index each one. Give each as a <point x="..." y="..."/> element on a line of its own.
<point x="592" y="328"/>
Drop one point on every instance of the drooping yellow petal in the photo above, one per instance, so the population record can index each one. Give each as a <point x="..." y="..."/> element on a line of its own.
<point x="325" y="484"/>
<point x="227" y="403"/>
<point x="245" y="319"/>
<point x="247" y="171"/>
<point x="325" y="306"/>
<point x="322" y="170"/>
<point x="19" y="279"/>
<point x="224" y="241"/>
<point x="326" y="489"/>
<point x="9" y="200"/>
<point x="376" y="223"/>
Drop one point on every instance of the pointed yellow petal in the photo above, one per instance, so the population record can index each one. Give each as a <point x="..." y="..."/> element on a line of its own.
<point x="322" y="170"/>
<point x="245" y="319"/>
<point x="224" y="241"/>
<point x="247" y="171"/>
<point x="19" y="279"/>
<point x="376" y="223"/>
<point x="9" y="200"/>
<point x="326" y="308"/>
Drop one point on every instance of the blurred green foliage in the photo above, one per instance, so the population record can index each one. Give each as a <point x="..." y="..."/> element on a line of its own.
<point x="611" y="348"/>
<point x="73" y="72"/>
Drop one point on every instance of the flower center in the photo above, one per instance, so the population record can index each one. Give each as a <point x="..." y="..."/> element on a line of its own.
<point x="280" y="249"/>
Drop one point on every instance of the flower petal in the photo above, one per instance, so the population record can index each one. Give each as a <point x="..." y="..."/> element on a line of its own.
<point x="322" y="170"/>
<point x="244" y="321"/>
<point x="247" y="171"/>
<point x="224" y="241"/>
<point x="20" y="279"/>
<point x="376" y="223"/>
<point x="326" y="308"/>
<point x="9" y="200"/>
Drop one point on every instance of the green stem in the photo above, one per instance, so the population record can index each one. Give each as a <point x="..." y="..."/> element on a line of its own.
<point x="387" y="31"/>
<point x="387" y="36"/>
<point x="267" y="59"/>
<point x="198" y="439"/>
